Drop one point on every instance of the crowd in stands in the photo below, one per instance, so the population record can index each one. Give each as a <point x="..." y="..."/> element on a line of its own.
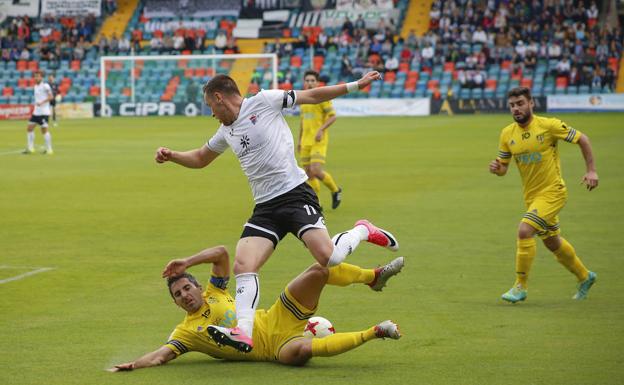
<point x="51" y="38"/>
<point x="523" y="33"/>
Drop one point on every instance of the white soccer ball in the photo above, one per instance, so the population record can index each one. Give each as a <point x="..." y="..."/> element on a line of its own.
<point x="58" y="98"/>
<point x="318" y="327"/>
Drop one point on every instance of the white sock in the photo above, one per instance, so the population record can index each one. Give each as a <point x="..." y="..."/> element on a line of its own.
<point x="30" y="137"/>
<point x="48" y="140"/>
<point x="346" y="243"/>
<point x="247" y="298"/>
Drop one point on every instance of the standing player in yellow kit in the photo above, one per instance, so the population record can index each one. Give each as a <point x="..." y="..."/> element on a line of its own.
<point x="532" y="142"/>
<point x="313" y="140"/>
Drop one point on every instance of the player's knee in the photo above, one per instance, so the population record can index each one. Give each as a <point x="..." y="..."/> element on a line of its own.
<point x="525" y="231"/>
<point x="319" y="272"/>
<point x="316" y="169"/>
<point x="242" y="267"/>
<point x="298" y="356"/>
<point x="322" y="253"/>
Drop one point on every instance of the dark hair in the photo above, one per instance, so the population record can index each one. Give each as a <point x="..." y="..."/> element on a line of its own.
<point x="172" y="280"/>
<point x="519" y="91"/>
<point x="221" y="83"/>
<point x="316" y="75"/>
<point x="40" y="72"/>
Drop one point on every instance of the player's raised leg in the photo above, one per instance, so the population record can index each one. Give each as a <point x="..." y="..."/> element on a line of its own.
<point x="305" y="291"/>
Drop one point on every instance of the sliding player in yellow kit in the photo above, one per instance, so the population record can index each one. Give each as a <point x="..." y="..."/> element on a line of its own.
<point x="532" y="142"/>
<point x="313" y="140"/>
<point x="278" y="331"/>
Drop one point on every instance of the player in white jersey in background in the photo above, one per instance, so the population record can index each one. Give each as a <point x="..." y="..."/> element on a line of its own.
<point x="40" y="116"/>
<point x="256" y="131"/>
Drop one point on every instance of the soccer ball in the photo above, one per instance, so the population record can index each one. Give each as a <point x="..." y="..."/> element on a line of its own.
<point x="318" y="327"/>
<point x="58" y="98"/>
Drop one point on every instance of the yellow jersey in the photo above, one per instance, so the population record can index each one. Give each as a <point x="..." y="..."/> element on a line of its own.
<point x="313" y="116"/>
<point x="534" y="149"/>
<point x="218" y="309"/>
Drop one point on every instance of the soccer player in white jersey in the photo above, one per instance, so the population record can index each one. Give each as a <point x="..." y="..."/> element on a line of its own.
<point x="256" y="131"/>
<point x="40" y="116"/>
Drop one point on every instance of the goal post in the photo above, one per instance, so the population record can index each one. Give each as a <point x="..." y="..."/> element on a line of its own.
<point x="242" y="73"/>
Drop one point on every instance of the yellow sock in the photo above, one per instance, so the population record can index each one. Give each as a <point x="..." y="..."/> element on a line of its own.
<point x="340" y="343"/>
<point x="525" y="253"/>
<point x="315" y="184"/>
<point x="568" y="258"/>
<point x="329" y="182"/>
<point x="345" y="274"/>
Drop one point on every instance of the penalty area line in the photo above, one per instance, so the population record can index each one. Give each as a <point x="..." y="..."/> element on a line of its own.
<point x="27" y="274"/>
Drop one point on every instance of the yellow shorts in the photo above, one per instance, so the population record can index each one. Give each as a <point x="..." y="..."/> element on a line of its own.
<point x="542" y="213"/>
<point x="313" y="154"/>
<point x="282" y="323"/>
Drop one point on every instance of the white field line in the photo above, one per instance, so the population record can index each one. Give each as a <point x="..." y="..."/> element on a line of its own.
<point x="27" y="274"/>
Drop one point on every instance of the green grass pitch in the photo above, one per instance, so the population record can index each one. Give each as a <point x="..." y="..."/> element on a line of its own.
<point x="107" y="218"/>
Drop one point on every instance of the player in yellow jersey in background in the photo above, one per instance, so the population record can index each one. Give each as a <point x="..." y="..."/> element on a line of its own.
<point x="532" y="142"/>
<point x="313" y="140"/>
<point x="278" y="331"/>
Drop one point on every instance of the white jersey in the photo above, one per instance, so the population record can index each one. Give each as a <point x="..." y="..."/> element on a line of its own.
<point x="42" y="92"/>
<point x="263" y="144"/>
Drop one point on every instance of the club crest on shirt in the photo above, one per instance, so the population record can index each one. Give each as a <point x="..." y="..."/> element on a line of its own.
<point x="254" y="119"/>
<point x="540" y="138"/>
<point x="245" y="141"/>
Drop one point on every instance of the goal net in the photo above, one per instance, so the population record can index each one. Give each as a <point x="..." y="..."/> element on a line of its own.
<point x="171" y="85"/>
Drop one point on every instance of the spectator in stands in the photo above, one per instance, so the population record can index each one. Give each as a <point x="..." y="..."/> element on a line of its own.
<point x="427" y="55"/>
<point x="124" y="44"/>
<point x="479" y="36"/>
<point x="103" y="45"/>
<point x="597" y="79"/>
<point x="113" y="44"/>
<point x="520" y="51"/>
<point x="554" y="50"/>
<point x="178" y="42"/>
<point x="156" y="43"/>
<point x="530" y="61"/>
<point x="348" y="26"/>
<point x="79" y="50"/>
<point x="592" y="15"/>
<point x="360" y="23"/>
<point x="220" y="41"/>
<point x="608" y="80"/>
<point x="167" y="43"/>
<point x="574" y="76"/>
<point x="386" y="47"/>
<point x="392" y="64"/>
<point x="563" y="67"/>
<point x="479" y="79"/>
<point x="232" y="47"/>
<point x="24" y="55"/>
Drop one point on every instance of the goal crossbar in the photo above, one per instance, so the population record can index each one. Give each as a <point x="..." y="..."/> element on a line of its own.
<point x="134" y="58"/>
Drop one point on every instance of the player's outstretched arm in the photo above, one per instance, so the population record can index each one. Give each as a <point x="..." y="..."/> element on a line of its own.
<point x="498" y="168"/>
<point x="590" y="179"/>
<point x="157" y="357"/>
<point x="322" y="94"/>
<point x="217" y="255"/>
<point x="198" y="158"/>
